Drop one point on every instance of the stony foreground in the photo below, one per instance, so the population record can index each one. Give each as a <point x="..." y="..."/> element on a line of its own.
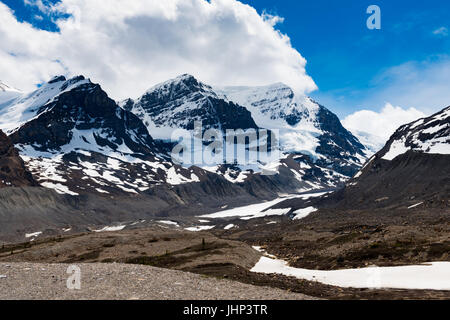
<point x="122" y="281"/>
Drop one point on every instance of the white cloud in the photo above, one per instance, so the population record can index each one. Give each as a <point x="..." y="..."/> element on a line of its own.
<point x="128" y="46"/>
<point x="419" y="84"/>
<point x="423" y="85"/>
<point x="381" y="124"/>
<point x="441" y="32"/>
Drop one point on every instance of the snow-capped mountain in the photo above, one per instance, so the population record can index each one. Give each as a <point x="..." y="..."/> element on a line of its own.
<point x="372" y="142"/>
<point x="24" y="107"/>
<point x="305" y="126"/>
<point x="426" y="135"/>
<point x="411" y="170"/>
<point x="178" y="103"/>
<point x="410" y="173"/>
<point x="5" y="88"/>
<point x="65" y="115"/>
<point x="7" y="93"/>
<point x="75" y="139"/>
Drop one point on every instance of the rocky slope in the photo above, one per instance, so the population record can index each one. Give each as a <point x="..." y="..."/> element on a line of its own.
<point x="12" y="169"/>
<point x="411" y="172"/>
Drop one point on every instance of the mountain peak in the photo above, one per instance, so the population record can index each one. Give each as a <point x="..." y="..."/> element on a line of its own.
<point x="185" y="76"/>
<point x="179" y="102"/>
<point x="426" y="135"/>
<point x="185" y="83"/>
<point x="57" y="79"/>
<point x="62" y="78"/>
<point x="18" y="108"/>
<point x="5" y="88"/>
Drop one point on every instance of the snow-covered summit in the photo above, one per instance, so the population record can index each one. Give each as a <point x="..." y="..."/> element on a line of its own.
<point x="305" y="126"/>
<point x="180" y="85"/>
<point x="179" y="102"/>
<point x="426" y="135"/>
<point x="75" y="139"/>
<point x="24" y="107"/>
<point x="7" y="93"/>
<point x="273" y="102"/>
<point x="79" y="114"/>
<point x="5" y="88"/>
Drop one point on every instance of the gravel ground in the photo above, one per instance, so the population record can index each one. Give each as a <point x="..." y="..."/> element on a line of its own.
<point x="124" y="281"/>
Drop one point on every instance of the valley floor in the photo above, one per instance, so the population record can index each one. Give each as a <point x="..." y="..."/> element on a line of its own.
<point x="125" y="264"/>
<point x="125" y="282"/>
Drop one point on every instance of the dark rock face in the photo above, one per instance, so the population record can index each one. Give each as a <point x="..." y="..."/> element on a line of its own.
<point x="12" y="169"/>
<point x="86" y="107"/>
<point x="179" y="102"/>
<point x="409" y="179"/>
<point x="337" y="144"/>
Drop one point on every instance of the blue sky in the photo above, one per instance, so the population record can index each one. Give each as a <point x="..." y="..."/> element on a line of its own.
<point x="405" y="63"/>
<point x="346" y="59"/>
<point x="32" y="14"/>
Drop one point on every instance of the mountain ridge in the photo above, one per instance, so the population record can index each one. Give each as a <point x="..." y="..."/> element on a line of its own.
<point x="75" y="139"/>
<point x="399" y="178"/>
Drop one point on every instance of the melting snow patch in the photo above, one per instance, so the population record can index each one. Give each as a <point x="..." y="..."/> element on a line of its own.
<point x="269" y="212"/>
<point x="228" y="227"/>
<point x="172" y="223"/>
<point x="101" y="191"/>
<point x="108" y="229"/>
<point x="397" y="148"/>
<point x="175" y="178"/>
<point x="61" y="189"/>
<point x="33" y="235"/>
<point x="199" y="228"/>
<point x="127" y="189"/>
<point x="303" y="213"/>
<point x="415" y="205"/>
<point x="260" y="209"/>
<point x="433" y="276"/>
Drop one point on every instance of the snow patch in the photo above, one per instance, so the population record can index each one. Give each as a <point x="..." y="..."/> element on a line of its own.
<point x="109" y="229"/>
<point x="432" y="276"/>
<point x="303" y="213"/>
<point x="397" y="148"/>
<point x="33" y="235"/>
<point x="415" y="205"/>
<point x="199" y="228"/>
